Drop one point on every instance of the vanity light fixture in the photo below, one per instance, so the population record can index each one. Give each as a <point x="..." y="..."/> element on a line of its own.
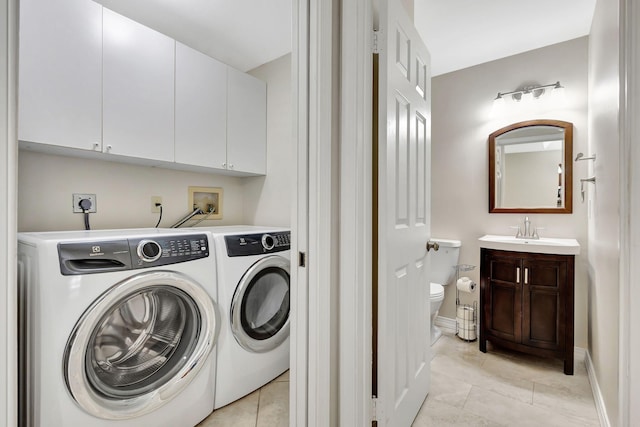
<point x="528" y="92"/>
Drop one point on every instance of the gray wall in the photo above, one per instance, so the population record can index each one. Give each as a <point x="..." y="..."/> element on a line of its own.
<point x="604" y="200"/>
<point x="461" y="123"/>
<point x="124" y="191"/>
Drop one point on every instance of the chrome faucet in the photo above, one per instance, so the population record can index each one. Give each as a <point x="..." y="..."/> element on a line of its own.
<point x="528" y="234"/>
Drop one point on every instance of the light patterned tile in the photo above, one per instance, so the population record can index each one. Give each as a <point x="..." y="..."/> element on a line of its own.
<point x="449" y="390"/>
<point x="273" y="409"/>
<point x="512" y="412"/>
<point x="566" y="400"/>
<point x="241" y="413"/>
<point x="283" y="377"/>
<point x="436" y="413"/>
<point x="475" y="375"/>
<point x="453" y="346"/>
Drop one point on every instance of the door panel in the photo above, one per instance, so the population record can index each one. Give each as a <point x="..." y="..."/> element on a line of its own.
<point x="543" y="322"/>
<point x="403" y="350"/>
<point x="504" y="310"/>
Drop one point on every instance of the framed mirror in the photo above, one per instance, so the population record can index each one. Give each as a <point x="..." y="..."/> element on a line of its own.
<point x="530" y="168"/>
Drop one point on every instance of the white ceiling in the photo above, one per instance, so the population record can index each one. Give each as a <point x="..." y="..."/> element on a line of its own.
<point x="463" y="33"/>
<point x="459" y="33"/>
<point x="241" y="33"/>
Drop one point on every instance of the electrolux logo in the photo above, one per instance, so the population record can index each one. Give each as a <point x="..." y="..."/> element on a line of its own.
<point x="96" y="251"/>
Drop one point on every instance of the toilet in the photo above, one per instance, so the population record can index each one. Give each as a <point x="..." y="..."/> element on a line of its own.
<point x="443" y="272"/>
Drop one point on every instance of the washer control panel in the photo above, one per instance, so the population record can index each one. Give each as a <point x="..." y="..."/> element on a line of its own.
<point x="168" y="250"/>
<point x="258" y="244"/>
<point x="128" y="254"/>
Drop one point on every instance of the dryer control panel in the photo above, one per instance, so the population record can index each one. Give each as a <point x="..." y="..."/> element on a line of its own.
<point x="258" y="244"/>
<point x="128" y="254"/>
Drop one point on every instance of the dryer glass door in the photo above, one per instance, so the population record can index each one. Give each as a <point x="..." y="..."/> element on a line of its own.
<point x="260" y="306"/>
<point x="133" y="348"/>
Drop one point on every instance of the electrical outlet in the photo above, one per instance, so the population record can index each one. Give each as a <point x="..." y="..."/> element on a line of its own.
<point x="79" y="196"/>
<point x="155" y="200"/>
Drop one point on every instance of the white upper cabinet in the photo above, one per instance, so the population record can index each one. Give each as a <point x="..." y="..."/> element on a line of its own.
<point x="138" y="90"/>
<point x="246" y="123"/>
<point x="92" y="80"/>
<point x="201" y="109"/>
<point x="60" y="73"/>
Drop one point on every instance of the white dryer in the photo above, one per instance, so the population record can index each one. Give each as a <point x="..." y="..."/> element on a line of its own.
<point x="253" y="278"/>
<point x="117" y="328"/>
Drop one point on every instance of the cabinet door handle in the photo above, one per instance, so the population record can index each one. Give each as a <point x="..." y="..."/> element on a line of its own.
<point x="526" y="276"/>
<point x="517" y="274"/>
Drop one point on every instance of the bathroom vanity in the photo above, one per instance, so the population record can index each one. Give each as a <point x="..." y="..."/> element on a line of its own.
<point x="527" y="295"/>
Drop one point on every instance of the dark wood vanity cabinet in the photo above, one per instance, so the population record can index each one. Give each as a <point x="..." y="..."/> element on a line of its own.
<point x="527" y="303"/>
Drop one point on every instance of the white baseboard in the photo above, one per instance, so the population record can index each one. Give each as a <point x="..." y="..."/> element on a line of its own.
<point x="597" y="393"/>
<point x="446" y="324"/>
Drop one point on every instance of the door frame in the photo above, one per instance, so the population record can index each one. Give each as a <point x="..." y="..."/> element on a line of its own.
<point x="356" y="205"/>
<point x="629" y="337"/>
<point x="8" y="210"/>
<point x="313" y="387"/>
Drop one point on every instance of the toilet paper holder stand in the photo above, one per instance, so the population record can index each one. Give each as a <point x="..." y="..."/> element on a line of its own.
<point x="465" y="324"/>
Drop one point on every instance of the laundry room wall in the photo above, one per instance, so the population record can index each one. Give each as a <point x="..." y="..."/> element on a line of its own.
<point x="267" y="199"/>
<point x="123" y="191"/>
<point x="46" y="182"/>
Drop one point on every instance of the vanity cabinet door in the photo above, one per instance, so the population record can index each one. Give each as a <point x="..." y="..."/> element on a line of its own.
<point x="543" y="313"/>
<point x="138" y="88"/>
<point x="60" y="73"/>
<point x="502" y="300"/>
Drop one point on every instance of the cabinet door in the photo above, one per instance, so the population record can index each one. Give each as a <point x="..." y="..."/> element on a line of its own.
<point x="60" y="74"/>
<point x="246" y="123"/>
<point x="503" y="299"/>
<point x="543" y="315"/>
<point x="201" y="109"/>
<point x="138" y="90"/>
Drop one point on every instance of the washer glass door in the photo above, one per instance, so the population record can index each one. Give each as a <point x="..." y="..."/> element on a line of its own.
<point x="134" y="347"/>
<point x="260" y="306"/>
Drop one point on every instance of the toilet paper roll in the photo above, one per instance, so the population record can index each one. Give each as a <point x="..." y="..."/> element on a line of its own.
<point x="465" y="323"/>
<point x="465" y="312"/>
<point x="467" y="334"/>
<point x="464" y="284"/>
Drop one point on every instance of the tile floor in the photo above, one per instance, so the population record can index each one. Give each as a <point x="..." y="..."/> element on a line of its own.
<point x="503" y="388"/>
<point x="468" y="388"/>
<point x="266" y="407"/>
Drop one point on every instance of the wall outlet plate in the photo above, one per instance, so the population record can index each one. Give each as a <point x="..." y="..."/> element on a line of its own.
<point x="79" y="196"/>
<point x="155" y="200"/>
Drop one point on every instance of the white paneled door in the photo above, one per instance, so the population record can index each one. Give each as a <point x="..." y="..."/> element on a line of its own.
<point x="404" y="146"/>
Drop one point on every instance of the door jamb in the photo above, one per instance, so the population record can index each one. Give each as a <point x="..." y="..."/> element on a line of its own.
<point x="8" y="213"/>
<point x="356" y="152"/>
<point x="629" y="337"/>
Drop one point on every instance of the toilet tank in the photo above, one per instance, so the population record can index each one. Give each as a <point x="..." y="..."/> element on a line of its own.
<point x="444" y="260"/>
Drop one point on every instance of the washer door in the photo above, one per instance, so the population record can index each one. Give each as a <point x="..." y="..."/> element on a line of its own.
<point x="139" y="344"/>
<point x="260" y="305"/>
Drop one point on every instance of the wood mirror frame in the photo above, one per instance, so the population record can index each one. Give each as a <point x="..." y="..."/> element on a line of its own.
<point x="567" y="161"/>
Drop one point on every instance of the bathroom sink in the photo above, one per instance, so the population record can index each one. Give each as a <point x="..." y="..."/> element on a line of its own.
<point x="543" y="245"/>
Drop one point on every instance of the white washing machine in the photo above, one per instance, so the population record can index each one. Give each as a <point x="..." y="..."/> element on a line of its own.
<point x="117" y="327"/>
<point x="253" y="278"/>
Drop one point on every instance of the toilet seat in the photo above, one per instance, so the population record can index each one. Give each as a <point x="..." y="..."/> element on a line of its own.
<point x="437" y="291"/>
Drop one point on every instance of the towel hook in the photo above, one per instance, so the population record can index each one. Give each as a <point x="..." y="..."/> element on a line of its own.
<point x="582" y="181"/>
<point x="581" y="156"/>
